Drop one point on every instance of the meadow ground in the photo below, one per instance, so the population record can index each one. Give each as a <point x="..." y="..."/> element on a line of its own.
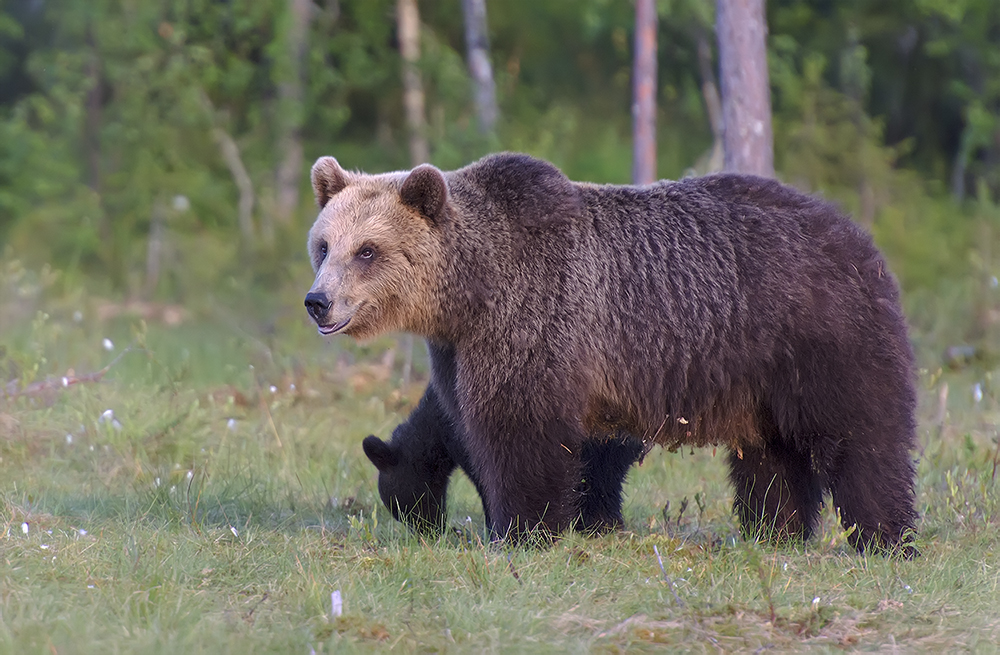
<point x="225" y="498"/>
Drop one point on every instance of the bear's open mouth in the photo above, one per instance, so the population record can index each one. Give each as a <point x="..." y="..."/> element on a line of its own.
<point x="333" y="329"/>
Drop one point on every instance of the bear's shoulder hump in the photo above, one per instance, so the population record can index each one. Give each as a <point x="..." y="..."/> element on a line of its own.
<point x="526" y="190"/>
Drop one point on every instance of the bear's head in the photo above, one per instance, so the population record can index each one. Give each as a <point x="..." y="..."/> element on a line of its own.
<point x="375" y="248"/>
<point x="413" y="490"/>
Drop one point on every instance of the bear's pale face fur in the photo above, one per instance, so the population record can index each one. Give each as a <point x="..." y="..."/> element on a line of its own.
<point x="375" y="258"/>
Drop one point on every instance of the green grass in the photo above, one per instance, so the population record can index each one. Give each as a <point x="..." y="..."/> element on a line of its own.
<point x="184" y="532"/>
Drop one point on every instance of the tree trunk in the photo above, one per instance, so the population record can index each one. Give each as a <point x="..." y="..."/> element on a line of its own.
<point x="713" y="104"/>
<point x="290" y="109"/>
<point x="644" y="94"/>
<point x="746" y="95"/>
<point x="478" y="45"/>
<point x="408" y="23"/>
<point x="230" y="152"/>
<point x="231" y="155"/>
<point x="408" y="19"/>
<point x="92" y="138"/>
<point x="154" y="247"/>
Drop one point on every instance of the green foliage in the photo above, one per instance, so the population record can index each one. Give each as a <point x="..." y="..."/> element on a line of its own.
<point x="231" y="498"/>
<point x="110" y="111"/>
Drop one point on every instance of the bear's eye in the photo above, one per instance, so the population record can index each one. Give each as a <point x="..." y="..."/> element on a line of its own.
<point x="323" y="249"/>
<point x="366" y="253"/>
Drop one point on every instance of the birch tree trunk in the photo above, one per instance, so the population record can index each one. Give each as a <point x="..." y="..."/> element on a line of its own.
<point x="234" y="162"/>
<point x="644" y="94"/>
<point x="290" y="110"/>
<point x="480" y="69"/>
<point x="154" y="248"/>
<point x="746" y="93"/>
<point x="230" y="152"/>
<point x="713" y="104"/>
<point x="92" y="138"/>
<point x="408" y="19"/>
<point x="408" y="23"/>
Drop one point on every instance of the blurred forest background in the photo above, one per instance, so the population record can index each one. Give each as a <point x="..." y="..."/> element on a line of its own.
<point x="160" y="150"/>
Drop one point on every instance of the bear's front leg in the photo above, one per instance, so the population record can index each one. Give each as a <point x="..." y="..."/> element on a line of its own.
<point x="529" y="473"/>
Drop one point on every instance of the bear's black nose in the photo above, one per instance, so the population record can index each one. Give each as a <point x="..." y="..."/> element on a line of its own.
<point x="318" y="305"/>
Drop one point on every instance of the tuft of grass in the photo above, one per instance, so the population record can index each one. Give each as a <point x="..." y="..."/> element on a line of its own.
<point x="228" y="503"/>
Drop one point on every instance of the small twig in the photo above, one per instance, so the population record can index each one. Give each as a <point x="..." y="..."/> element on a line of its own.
<point x="942" y="411"/>
<point x="510" y="563"/>
<point x="666" y="577"/>
<point x="680" y="512"/>
<point x="996" y="459"/>
<point x="267" y="410"/>
<point x="766" y="586"/>
<point x="249" y="614"/>
<point x="55" y="383"/>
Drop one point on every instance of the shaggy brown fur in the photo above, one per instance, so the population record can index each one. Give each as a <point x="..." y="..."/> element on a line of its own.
<point x="415" y="467"/>
<point x="720" y="310"/>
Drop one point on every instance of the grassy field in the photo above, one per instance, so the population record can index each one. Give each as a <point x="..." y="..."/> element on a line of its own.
<point x="225" y="497"/>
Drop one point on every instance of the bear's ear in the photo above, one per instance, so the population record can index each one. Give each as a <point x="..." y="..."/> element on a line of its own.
<point x="425" y="190"/>
<point x="380" y="453"/>
<point x="328" y="179"/>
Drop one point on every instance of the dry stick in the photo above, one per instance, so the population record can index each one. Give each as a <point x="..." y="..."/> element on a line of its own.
<point x="510" y="564"/>
<point x="666" y="577"/>
<point x="942" y="410"/>
<point x="249" y="615"/>
<point x="766" y="586"/>
<point x="996" y="458"/>
<point x="647" y="444"/>
<point x="267" y="410"/>
<point x="52" y="383"/>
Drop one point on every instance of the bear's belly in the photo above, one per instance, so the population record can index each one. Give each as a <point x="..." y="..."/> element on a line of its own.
<point x="734" y="419"/>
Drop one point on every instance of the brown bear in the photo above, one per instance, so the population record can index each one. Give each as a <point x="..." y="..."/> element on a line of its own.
<point x="725" y="310"/>
<point x="415" y="467"/>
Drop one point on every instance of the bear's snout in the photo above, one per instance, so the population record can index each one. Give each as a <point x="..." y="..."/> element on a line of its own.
<point x="318" y="305"/>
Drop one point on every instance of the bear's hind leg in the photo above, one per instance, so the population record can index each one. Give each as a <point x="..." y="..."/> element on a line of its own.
<point x="778" y="495"/>
<point x="873" y="489"/>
